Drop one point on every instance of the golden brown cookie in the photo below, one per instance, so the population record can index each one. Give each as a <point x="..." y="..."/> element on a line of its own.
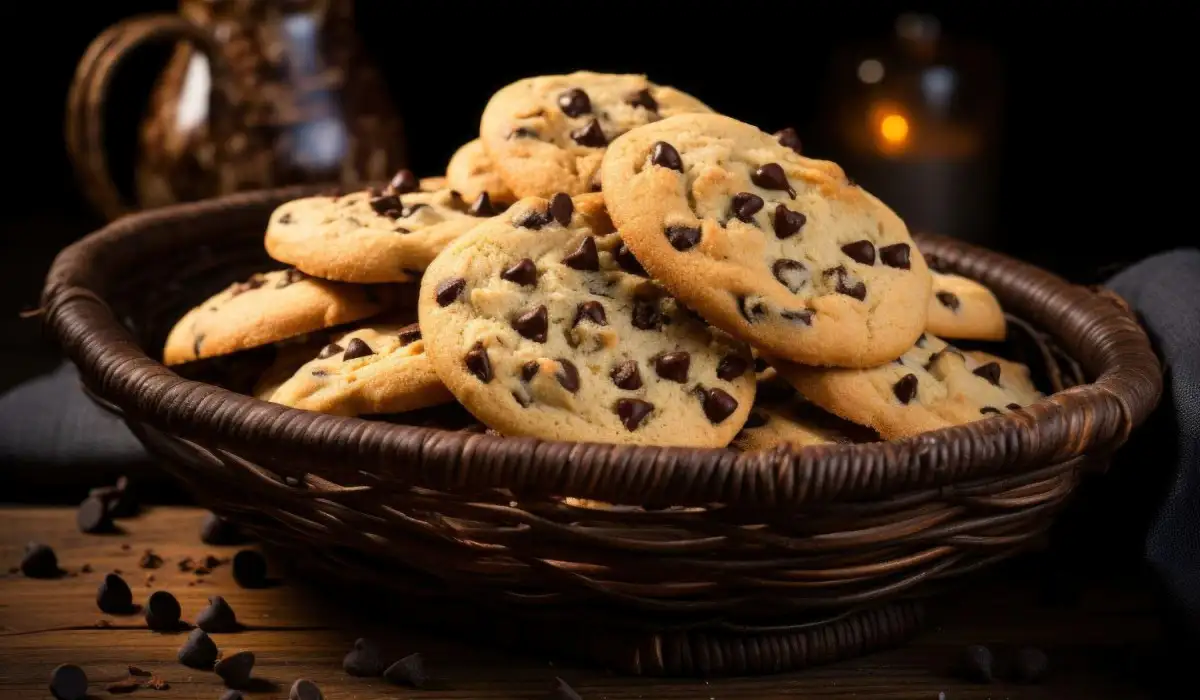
<point x="472" y="173"/>
<point x="964" y="309"/>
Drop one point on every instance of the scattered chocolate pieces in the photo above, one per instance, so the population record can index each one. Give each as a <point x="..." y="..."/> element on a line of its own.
<point x="40" y="561"/>
<point x="85" y="569"/>
<point x="217" y="617"/>
<point x="199" y="651"/>
<point x="162" y="612"/>
<point x="120" y="499"/>
<point x="408" y="671"/>
<point x="150" y="560"/>
<point x="211" y="561"/>
<point x="235" y="670"/>
<point x="250" y="569"/>
<point x="305" y="689"/>
<point x="135" y="671"/>
<point x="186" y="564"/>
<point x="68" y="682"/>
<point x="113" y="596"/>
<point x="364" y="659"/>
<point x="976" y="664"/>
<point x="1030" y="665"/>
<point x="156" y="683"/>
<point x="560" y="690"/>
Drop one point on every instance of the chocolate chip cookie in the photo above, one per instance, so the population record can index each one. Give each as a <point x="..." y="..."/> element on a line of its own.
<point x="775" y="248"/>
<point x="540" y="323"/>
<point x="268" y="308"/>
<point x="964" y="309"/>
<point x="472" y="173"/>
<point x="371" y="236"/>
<point x="547" y="134"/>
<point x="933" y="385"/>
<point x="375" y="369"/>
<point x="796" y="423"/>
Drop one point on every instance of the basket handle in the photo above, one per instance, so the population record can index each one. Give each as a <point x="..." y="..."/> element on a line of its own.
<point x="88" y="96"/>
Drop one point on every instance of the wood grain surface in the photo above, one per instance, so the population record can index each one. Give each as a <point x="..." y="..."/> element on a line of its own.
<point x="298" y="632"/>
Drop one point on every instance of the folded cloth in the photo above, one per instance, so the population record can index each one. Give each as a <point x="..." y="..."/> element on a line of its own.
<point x="1164" y="290"/>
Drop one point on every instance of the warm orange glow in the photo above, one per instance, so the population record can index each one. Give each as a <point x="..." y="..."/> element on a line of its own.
<point x="894" y="129"/>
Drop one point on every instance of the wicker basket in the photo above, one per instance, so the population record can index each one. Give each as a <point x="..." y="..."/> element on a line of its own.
<point x="739" y="563"/>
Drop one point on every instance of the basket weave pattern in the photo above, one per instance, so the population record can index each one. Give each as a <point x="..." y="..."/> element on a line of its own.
<point x="740" y="563"/>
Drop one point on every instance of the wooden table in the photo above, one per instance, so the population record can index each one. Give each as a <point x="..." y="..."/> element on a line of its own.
<point x="296" y="633"/>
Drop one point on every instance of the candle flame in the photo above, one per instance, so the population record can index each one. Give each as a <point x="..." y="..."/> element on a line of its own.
<point x="894" y="129"/>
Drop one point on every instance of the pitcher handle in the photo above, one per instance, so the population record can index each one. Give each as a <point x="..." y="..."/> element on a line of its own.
<point x="89" y="93"/>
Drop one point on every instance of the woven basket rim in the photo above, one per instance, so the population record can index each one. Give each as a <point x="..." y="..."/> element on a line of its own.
<point x="1102" y="335"/>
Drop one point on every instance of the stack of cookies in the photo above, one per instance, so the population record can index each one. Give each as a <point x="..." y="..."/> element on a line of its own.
<point x="612" y="261"/>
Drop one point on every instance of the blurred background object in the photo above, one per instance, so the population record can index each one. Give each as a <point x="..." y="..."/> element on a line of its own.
<point x="258" y="93"/>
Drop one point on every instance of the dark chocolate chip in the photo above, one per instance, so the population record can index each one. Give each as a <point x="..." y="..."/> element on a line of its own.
<point x="456" y="201"/>
<point x="591" y="135"/>
<point x="120" y="499"/>
<point x="574" y="103"/>
<point x="752" y="311"/>
<point x="249" y="569"/>
<point x="673" y="366"/>
<point x="199" y="651"/>
<point x="646" y="315"/>
<point x="197" y="343"/>
<point x="772" y="177"/>
<point x="1030" y="665"/>
<point x="403" y="182"/>
<point x="68" y="682"/>
<point x="683" y="237"/>
<point x="632" y="412"/>
<point x="561" y="208"/>
<point x="559" y="690"/>
<point x="731" y="367"/>
<point x="162" y="612"/>
<point x="989" y="371"/>
<point x="746" y="205"/>
<point x="948" y="300"/>
<point x="760" y="364"/>
<point x="235" y="669"/>
<point x="411" y="209"/>
<point x="524" y="273"/>
<point x="482" y="206"/>
<point x="787" y="222"/>
<point x="976" y="664"/>
<point x="478" y="364"/>
<point x="93" y="517"/>
<point x="408" y="671"/>
<point x="627" y="261"/>
<point x="567" y="375"/>
<point x="448" y="290"/>
<point x="357" y="348"/>
<point x="895" y="255"/>
<point x="585" y="257"/>
<point x="590" y="311"/>
<point x="989" y="409"/>
<point x="1013" y="406"/>
<point x="857" y="290"/>
<point x="218" y="531"/>
<point x="113" y="596"/>
<point x="626" y="375"/>
<point x="905" y="389"/>
<point x="388" y="205"/>
<point x="642" y="98"/>
<point x="534" y="219"/>
<point x="523" y="132"/>
<point x="304" y="689"/>
<point x="788" y="138"/>
<point x="860" y="252"/>
<point x="664" y="155"/>
<point x="718" y="405"/>
<point x="251" y="284"/>
<point x="797" y="315"/>
<point x="217" y="617"/>
<point x="150" y="560"/>
<point x="409" y="334"/>
<point x="364" y="660"/>
<point x="329" y="351"/>
<point x="791" y="273"/>
<point x="756" y="420"/>
<point x="39" y="561"/>
<point x="529" y="370"/>
<point x="533" y="324"/>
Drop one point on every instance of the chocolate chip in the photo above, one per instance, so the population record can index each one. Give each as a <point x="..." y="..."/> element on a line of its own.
<point x="478" y="364"/>
<point x="329" y="351"/>
<point x="304" y="689"/>
<point x="760" y="365"/>
<point x="448" y="290"/>
<point x="905" y="389"/>
<point x="68" y="682"/>
<point x="235" y="669"/>
<point x="646" y="315"/>
<point x="408" y="671"/>
<point x="403" y="182"/>
<point x="591" y="135"/>
<point x="574" y="103"/>
<point x="529" y="370"/>
<point x="1013" y="406"/>
<point x="562" y="208"/>
<point x="113" y="596"/>
<point x="788" y="138"/>
<point x="584" y="257"/>
<point x="409" y="334"/>
<point x="746" y="205"/>
<point x="412" y="209"/>
<point x="218" y="531"/>
<point x="791" y="273"/>
<point x="976" y="664"/>
<point x="989" y="409"/>
<point x="752" y="311"/>
<point x="120" y="499"/>
<point x="357" y="348"/>
<point x="731" y="367"/>
<point x="642" y="98"/>
<point x="989" y="371"/>
<point x="162" y="612"/>
<point x="559" y="690"/>
<point x="860" y="252"/>
<point x="673" y="366"/>
<point x="482" y="206"/>
<point x="857" y="290"/>
<point x="39" y="561"/>
<point x="664" y="155"/>
<point x="249" y="569"/>
<point x="533" y="324"/>
<point x="632" y="412"/>
<point x="197" y="343"/>
<point x="626" y="375"/>
<point x="150" y="560"/>
<point x="523" y="132"/>
<point x="217" y="617"/>
<point x="683" y="237"/>
<point x="1030" y="665"/>
<point x="799" y="316"/>
<point x="523" y="272"/>
<point x="948" y="300"/>
<point x="718" y="405"/>
<point x="533" y="219"/>
<point x="199" y="651"/>
<point x="92" y="517"/>
<point x="388" y="205"/>
<point x="772" y="177"/>
<point x="590" y="311"/>
<point x="627" y="261"/>
<point x="756" y="420"/>
<point x="364" y="660"/>
<point x="787" y="222"/>
<point x="251" y="284"/>
<point x="895" y="255"/>
<point x="567" y="375"/>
